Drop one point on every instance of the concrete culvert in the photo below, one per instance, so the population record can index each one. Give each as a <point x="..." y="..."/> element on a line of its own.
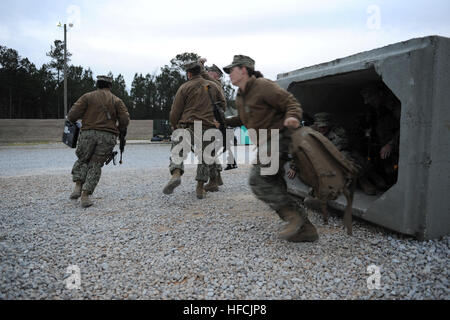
<point x="413" y="75"/>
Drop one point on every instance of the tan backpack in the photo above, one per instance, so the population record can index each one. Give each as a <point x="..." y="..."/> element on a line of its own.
<point x="324" y="168"/>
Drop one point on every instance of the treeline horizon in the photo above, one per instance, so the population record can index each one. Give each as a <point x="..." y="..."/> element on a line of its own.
<point x="27" y="92"/>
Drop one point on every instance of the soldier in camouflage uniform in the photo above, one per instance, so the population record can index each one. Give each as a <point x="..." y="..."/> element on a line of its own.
<point x="214" y="74"/>
<point x="263" y="104"/>
<point x="191" y="104"/>
<point x="103" y="116"/>
<point x="384" y="131"/>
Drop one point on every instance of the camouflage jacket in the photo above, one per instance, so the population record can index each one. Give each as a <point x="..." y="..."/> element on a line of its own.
<point x="100" y="110"/>
<point x="264" y="105"/>
<point x="192" y="103"/>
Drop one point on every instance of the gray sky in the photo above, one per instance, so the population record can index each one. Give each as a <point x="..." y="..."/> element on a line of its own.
<point x="280" y="35"/>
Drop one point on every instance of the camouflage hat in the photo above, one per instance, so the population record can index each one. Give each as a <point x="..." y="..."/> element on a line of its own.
<point x="215" y="69"/>
<point x="190" y="65"/>
<point x="322" y="119"/>
<point x="105" y="78"/>
<point x="240" y="60"/>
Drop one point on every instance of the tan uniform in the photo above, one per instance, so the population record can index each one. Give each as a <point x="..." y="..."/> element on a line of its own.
<point x="99" y="110"/>
<point x="93" y="109"/>
<point x="264" y="105"/>
<point x="192" y="103"/>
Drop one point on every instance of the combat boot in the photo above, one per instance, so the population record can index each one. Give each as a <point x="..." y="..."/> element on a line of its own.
<point x="294" y="219"/>
<point x="200" y="191"/>
<point x="366" y="186"/>
<point x="312" y="203"/>
<point x="219" y="179"/>
<point x="307" y="233"/>
<point x="85" y="200"/>
<point x="212" y="185"/>
<point x="77" y="191"/>
<point x="174" y="182"/>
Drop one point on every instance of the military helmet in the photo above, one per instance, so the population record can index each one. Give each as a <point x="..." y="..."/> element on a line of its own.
<point x="105" y="78"/>
<point x="322" y="119"/>
<point x="240" y="60"/>
<point x="215" y="69"/>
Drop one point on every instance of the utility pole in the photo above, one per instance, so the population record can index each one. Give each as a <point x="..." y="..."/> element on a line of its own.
<point x="65" y="66"/>
<point x="65" y="71"/>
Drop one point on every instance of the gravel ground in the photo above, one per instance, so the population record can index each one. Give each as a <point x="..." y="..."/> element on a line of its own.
<point x="136" y="243"/>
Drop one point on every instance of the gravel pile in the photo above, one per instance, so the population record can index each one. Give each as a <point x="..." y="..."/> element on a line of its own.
<point x="136" y="243"/>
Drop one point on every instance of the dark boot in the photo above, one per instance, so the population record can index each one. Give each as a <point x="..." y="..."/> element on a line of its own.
<point x="219" y="179"/>
<point x="307" y="233"/>
<point x="77" y="191"/>
<point x="200" y="191"/>
<point x="294" y="219"/>
<point x="366" y="186"/>
<point x="174" y="182"/>
<point x="212" y="185"/>
<point x="312" y="203"/>
<point x="85" y="200"/>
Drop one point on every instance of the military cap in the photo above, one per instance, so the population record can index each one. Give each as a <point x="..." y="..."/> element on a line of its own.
<point x="105" y="78"/>
<point x="322" y="119"/>
<point x="215" y="69"/>
<point x="190" y="65"/>
<point x="240" y="60"/>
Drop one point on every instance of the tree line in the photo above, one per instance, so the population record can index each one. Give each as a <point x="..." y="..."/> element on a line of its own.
<point x="27" y="92"/>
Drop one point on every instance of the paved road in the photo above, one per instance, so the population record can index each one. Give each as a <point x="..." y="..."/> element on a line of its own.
<point x="45" y="158"/>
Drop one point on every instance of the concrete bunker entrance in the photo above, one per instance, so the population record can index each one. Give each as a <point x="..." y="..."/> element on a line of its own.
<point x="341" y="96"/>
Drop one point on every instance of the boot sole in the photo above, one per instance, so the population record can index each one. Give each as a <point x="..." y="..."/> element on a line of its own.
<point x="304" y="239"/>
<point x="168" y="189"/>
<point x="75" y="196"/>
<point x="87" y="204"/>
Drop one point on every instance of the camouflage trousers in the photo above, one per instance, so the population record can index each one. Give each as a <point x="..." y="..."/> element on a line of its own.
<point x="93" y="148"/>
<point x="272" y="189"/>
<point x="204" y="170"/>
<point x="217" y="168"/>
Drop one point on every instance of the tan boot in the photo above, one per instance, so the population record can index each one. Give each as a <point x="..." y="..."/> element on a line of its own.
<point x="85" y="200"/>
<point x="200" y="191"/>
<point x="219" y="179"/>
<point x="307" y="233"/>
<point x="77" y="191"/>
<point x="212" y="185"/>
<point x="294" y="219"/>
<point x="174" y="182"/>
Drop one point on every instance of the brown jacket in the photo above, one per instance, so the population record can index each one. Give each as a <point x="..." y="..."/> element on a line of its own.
<point x="192" y="103"/>
<point x="264" y="105"/>
<point x="93" y="107"/>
